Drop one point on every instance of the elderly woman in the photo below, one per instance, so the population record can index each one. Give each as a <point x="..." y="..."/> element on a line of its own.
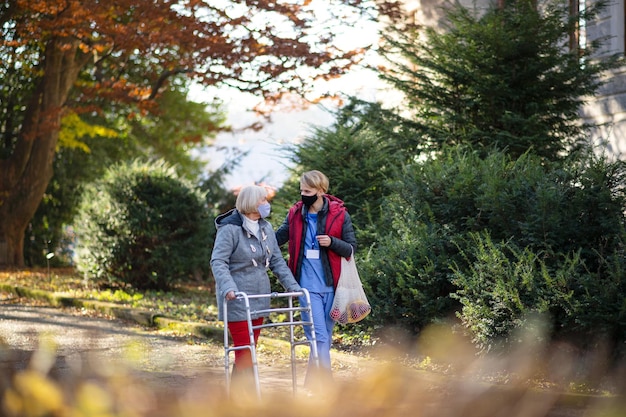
<point x="245" y="248"/>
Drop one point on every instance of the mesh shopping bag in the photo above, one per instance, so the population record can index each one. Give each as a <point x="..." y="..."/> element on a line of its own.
<point x="350" y="304"/>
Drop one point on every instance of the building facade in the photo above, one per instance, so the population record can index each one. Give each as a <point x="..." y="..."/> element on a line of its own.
<point x="608" y="107"/>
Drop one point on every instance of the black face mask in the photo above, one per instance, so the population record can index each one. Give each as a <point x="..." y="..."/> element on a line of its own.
<point x="308" y="200"/>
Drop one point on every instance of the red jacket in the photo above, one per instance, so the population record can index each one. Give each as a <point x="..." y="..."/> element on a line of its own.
<point x="333" y="220"/>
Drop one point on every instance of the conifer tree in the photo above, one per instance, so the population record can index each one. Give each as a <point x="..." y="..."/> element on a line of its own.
<point x="506" y="78"/>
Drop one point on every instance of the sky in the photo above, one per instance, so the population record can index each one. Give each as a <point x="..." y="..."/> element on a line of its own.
<point x="267" y="160"/>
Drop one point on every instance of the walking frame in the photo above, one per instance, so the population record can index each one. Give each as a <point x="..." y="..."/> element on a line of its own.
<point x="291" y="309"/>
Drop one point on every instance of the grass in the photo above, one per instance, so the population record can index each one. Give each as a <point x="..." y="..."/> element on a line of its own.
<point x="189" y="302"/>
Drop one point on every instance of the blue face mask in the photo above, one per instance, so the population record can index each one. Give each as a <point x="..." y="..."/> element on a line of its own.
<point x="264" y="210"/>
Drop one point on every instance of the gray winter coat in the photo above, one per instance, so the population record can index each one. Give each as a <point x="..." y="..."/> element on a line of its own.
<point x="240" y="262"/>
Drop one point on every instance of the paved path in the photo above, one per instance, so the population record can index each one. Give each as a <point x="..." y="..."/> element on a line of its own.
<point x="105" y="345"/>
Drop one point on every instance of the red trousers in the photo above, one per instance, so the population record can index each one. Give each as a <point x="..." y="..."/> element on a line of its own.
<point x="241" y="337"/>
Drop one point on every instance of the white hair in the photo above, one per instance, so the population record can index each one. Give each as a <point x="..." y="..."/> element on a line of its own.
<point x="249" y="197"/>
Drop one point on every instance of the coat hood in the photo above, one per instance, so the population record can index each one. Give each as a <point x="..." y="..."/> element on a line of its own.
<point x="230" y="217"/>
<point x="332" y="198"/>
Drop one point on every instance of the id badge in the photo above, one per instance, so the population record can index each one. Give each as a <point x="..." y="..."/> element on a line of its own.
<point x="312" y="254"/>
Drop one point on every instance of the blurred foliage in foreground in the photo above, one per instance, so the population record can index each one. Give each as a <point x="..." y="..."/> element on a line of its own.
<point x="387" y="388"/>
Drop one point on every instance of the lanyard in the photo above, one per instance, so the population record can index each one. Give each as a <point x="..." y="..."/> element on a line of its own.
<point x="311" y="231"/>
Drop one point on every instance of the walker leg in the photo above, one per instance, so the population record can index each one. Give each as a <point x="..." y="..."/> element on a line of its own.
<point x="251" y="347"/>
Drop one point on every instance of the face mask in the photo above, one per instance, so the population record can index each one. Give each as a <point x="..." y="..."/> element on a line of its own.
<point x="264" y="210"/>
<point x="308" y="200"/>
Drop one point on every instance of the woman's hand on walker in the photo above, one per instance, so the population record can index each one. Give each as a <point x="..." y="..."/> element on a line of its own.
<point x="230" y="295"/>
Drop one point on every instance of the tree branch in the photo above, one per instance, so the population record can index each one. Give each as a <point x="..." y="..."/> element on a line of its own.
<point x="161" y="80"/>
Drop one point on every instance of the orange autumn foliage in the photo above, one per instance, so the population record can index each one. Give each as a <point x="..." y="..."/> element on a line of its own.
<point x="258" y="46"/>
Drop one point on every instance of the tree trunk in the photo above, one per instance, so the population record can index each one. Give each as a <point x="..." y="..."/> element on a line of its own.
<point x="25" y="175"/>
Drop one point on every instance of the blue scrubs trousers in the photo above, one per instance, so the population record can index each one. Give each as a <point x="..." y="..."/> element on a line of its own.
<point x="320" y="307"/>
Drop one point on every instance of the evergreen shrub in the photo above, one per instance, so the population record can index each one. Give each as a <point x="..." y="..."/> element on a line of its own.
<point x="503" y="286"/>
<point x="501" y="239"/>
<point x="142" y="225"/>
<point x="405" y="277"/>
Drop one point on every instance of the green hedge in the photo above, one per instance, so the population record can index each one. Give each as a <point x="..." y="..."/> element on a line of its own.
<point x="141" y="225"/>
<point x="498" y="240"/>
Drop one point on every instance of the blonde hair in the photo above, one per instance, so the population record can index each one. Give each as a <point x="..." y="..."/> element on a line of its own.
<point x="249" y="197"/>
<point x="315" y="179"/>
